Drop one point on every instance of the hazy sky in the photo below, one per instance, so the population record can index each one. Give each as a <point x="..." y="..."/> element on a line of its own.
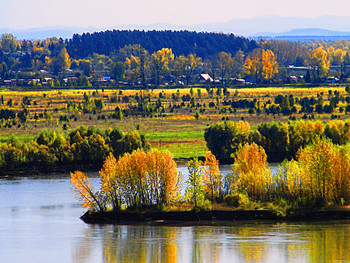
<point x="21" y="14"/>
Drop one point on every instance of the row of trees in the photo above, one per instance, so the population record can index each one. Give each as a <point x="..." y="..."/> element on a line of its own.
<point x="135" y="180"/>
<point x="319" y="176"/>
<point x="146" y="57"/>
<point x="279" y="140"/>
<point x="143" y="179"/>
<point x="83" y="147"/>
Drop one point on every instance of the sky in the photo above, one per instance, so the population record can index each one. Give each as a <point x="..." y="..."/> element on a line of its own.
<point x="23" y="14"/>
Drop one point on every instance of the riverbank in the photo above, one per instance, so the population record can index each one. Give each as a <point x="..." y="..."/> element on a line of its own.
<point x="214" y="216"/>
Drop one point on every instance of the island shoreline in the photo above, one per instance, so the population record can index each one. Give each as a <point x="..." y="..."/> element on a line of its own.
<point x="212" y="216"/>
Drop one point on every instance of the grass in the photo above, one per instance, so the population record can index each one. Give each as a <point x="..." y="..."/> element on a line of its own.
<point x="177" y="131"/>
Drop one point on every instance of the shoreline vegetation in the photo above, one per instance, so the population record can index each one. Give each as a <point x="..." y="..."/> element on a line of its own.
<point x="86" y="148"/>
<point x="181" y="120"/>
<point x="146" y="186"/>
<point x="83" y="148"/>
<point x="247" y="127"/>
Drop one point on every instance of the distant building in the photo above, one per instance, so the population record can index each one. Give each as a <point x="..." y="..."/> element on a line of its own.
<point x="240" y="81"/>
<point x="205" y="78"/>
<point x="293" y="79"/>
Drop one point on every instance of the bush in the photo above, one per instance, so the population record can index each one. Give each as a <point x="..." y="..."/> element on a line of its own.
<point x="237" y="200"/>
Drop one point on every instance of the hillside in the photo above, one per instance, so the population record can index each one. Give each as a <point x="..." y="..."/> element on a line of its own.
<point x="181" y="42"/>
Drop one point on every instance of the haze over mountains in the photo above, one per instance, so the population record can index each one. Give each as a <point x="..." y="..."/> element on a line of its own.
<point x="272" y="25"/>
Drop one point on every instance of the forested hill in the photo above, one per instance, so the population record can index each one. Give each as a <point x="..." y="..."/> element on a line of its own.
<point x="203" y="44"/>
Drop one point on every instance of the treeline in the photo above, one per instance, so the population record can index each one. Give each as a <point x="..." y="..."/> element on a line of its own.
<point x="279" y="140"/>
<point x="82" y="148"/>
<point x="135" y="180"/>
<point x="149" y="179"/>
<point x="167" y="57"/>
<point x="203" y="44"/>
<point x="319" y="177"/>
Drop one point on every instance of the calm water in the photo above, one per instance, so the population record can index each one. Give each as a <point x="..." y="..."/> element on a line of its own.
<point x="39" y="222"/>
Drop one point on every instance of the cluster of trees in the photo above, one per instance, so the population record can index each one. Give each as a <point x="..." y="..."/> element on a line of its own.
<point x="181" y="42"/>
<point x="143" y="179"/>
<point x="279" y="140"/>
<point x="136" y="180"/>
<point x="155" y="57"/>
<point x="319" y="176"/>
<point x="83" y="147"/>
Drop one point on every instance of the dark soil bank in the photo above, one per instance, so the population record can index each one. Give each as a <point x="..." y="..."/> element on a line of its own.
<point x="212" y="216"/>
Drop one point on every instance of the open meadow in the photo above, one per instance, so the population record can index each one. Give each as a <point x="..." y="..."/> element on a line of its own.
<point x="170" y="118"/>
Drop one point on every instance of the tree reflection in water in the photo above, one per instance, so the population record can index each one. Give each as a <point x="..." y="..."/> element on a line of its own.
<point x="245" y="242"/>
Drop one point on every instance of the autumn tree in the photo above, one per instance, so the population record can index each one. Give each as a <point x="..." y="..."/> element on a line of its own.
<point x="185" y="65"/>
<point x="133" y="68"/>
<point x="161" y="60"/>
<point x="212" y="177"/>
<point x="61" y="62"/>
<point x="322" y="163"/>
<point x="319" y="61"/>
<point x="261" y="64"/>
<point x="225" y="63"/>
<point x="8" y="43"/>
<point x="138" y="179"/>
<point x="195" y="190"/>
<point x="252" y="173"/>
<point x="85" y="193"/>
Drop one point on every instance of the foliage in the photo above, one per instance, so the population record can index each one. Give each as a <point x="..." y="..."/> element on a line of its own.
<point x="181" y="42"/>
<point x="137" y="180"/>
<point x="85" y="193"/>
<point x="212" y="177"/>
<point x="279" y="140"/>
<point x="195" y="189"/>
<point x="224" y="139"/>
<point x="252" y="174"/>
<point x="261" y="64"/>
<point x="84" y="147"/>
<point x="319" y="177"/>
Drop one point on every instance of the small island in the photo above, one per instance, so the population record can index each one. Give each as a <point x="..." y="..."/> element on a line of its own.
<point x="144" y="187"/>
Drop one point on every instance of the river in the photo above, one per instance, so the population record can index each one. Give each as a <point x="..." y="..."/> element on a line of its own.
<point x="39" y="222"/>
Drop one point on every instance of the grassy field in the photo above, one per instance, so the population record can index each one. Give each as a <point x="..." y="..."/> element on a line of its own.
<point x="168" y="127"/>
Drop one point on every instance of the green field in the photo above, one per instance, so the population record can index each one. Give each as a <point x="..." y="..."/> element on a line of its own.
<point x="170" y="126"/>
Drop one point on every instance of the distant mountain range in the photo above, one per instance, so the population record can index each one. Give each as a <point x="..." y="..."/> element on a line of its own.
<point x="273" y="26"/>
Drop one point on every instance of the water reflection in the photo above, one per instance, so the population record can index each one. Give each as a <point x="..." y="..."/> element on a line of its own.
<point x="39" y="222"/>
<point x="235" y="243"/>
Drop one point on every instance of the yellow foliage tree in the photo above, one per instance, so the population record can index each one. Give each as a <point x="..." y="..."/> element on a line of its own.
<point x="133" y="67"/>
<point x="85" y="193"/>
<point x="212" y="177"/>
<point x="136" y="179"/>
<point x="320" y="61"/>
<point x="326" y="170"/>
<point x="290" y="181"/>
<point x="161" y="60"/>
<point x="110" y="182"/>
<point x="185" y="65"/>
<point x="252" y="174"/>
<point x="261" y="64"/>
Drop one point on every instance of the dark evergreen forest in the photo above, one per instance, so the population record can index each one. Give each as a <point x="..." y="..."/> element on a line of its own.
<point x="202" y="44"/>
